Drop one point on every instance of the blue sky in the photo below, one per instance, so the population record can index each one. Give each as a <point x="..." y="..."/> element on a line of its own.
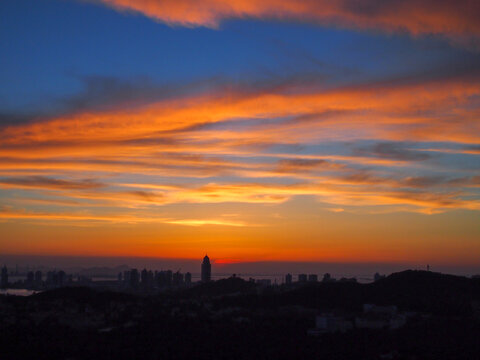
<point x="50" y="47"/>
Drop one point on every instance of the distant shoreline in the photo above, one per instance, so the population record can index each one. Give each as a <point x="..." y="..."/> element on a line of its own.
<point x="19" y="292"/>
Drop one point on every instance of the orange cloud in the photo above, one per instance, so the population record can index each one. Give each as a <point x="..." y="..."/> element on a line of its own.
<point x="201" y="222"/>
<point x="385" y="111"/>
<point x="335" y="191"/>
<point x="458" y="18"/>
<point x="180" y="139"/>
<point x="117" y="218"/>
<point x="48" y="183"/>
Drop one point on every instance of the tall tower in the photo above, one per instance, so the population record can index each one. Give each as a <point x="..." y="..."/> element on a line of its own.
<point x="206" y="269"/>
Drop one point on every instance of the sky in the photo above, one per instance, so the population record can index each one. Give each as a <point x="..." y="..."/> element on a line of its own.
<point x="257" y="132"/>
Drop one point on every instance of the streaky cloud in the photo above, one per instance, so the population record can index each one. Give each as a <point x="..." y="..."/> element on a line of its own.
<point x="394" y="151"/>
<point x="457" y="20"/>
<point x="254" y="146"/>
<point x="49" y="183"/>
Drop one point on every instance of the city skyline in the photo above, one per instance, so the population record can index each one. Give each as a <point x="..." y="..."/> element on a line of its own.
<point x="31" y="280"/>
<point x="264" y="134"/>
<point x="105" y="266"/>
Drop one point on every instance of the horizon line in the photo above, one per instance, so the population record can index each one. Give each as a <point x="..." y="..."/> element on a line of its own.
<point x="225" y="262"/>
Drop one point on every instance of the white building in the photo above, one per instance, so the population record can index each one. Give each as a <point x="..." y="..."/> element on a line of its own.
<point x="328" y="323"/>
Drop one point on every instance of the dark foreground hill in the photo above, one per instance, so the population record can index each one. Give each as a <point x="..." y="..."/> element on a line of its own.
<point x="419" y="291"/>
<point x="428" y="292"/>
<point x="235" y="319"/>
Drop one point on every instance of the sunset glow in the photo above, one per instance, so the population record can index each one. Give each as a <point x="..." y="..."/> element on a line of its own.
<point x="251" y="130"/>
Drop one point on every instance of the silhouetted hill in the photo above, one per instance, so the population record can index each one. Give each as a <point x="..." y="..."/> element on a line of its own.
<point x="410" y="290"/>
<point x="81" y="294"/>
<point x="236" y="319"/>
<point x="426" y="291"/>
<point x="232" y="285"/>
<point x="425" y="281"/>
<point x="323" y="296"/>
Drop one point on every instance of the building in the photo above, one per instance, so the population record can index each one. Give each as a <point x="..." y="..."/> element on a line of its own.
<point x="38" y="278"/>
<point x="61" y="278"/>
<point x="288" y="279"/>
<point x="144" y="277"/>
<point x="126" y="278"/>
<point x="328" y="323"/>
<point x="147" y="279"/>
<point x="188" y="278"/>
<point x="312" y="278"/>
<point x="55" y="279"/>
<point x="327" y="277"/>
<point x="50" y="278"/>
<point x="177" y="278"/>
<point x="302" y="278"/>
<point x="168" y="277"/>
<point x="160" y="279"/>
<point x="134" y="278"/>
<point x="30" y="279"/>
<point x="4" y="278"/>
<point x="264" y="282"/>
<point x="206" y="269"/>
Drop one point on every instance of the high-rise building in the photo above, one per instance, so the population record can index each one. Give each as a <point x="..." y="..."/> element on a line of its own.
<point x="50" y="281"/>
<point x="312" y="278"/>
<point x="302" y="278"/>
<point x="168" y="277"/>
<point x="126" y="278"/>
<point x="288" y="279"/>
<point x="144" y="277"/>
<point x="4" y="279"/>
<point x="150" y="278"/>
<point x="62" y="277"/>
<point x="206" y="269"/>
<point x="161" y="279"/>
<point x="177" y="278"/>
<point x="264" y="282"/>
<point x="134" y="278"/>
<point x="188" y="278"/>
<point x="30" y="279"/>
<point x="38" y="278"/>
